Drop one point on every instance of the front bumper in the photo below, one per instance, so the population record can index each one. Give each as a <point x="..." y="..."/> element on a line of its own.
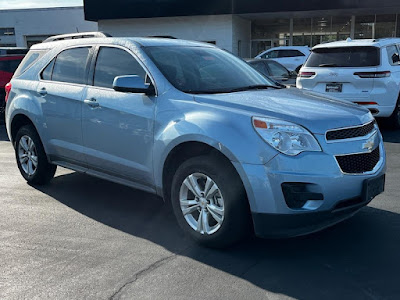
<point x="343" y="194"/>
<point x="291" y="225"/>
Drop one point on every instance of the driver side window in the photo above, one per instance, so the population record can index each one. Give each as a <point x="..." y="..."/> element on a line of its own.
<point x="112" y="62"/>
<point x="271" y="54"/>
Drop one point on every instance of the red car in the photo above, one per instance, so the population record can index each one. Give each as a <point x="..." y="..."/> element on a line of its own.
<point x="9" y="60"/>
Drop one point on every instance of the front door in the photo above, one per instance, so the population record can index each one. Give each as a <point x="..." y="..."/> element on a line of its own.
<point x="117" y="126"/>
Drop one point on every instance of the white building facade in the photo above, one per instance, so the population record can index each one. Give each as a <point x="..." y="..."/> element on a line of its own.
<point x="226" y="31"/>
<point x="247" y="27"/>
<point x="25" y="27"/>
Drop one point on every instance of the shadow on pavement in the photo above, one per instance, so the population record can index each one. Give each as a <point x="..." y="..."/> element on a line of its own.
<point x="391" y="136"/>
<point x="356" y="259"/>
<point x="3" y="133"/>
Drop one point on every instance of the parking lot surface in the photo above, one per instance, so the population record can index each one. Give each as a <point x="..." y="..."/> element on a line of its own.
<point x="84" y="238"/>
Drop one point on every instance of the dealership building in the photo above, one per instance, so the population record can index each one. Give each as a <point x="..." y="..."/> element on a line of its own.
<point x="25" y="27"/>
<point x="246" y="27"/>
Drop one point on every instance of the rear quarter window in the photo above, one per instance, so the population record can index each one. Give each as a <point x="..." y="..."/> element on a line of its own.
<point x="28" y="61"/>
<point x="344" y="57"/>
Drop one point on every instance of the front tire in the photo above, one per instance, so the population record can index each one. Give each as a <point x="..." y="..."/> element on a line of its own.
<point x="209" y="201"/>
<point x="31" y="157"/>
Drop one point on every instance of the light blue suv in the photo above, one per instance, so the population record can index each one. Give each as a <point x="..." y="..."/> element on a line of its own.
<point x="199" y="127"/>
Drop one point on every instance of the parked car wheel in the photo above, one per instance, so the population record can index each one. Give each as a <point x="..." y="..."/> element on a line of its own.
<point x="31" y="157"/>
<point x="209" y="201"/>
<point x="394" y="119"/>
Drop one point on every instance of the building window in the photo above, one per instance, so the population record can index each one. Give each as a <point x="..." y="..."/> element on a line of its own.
<point x="7" y="31"/>
<point x="365" y="27"/>
<point x="385" y="26"/>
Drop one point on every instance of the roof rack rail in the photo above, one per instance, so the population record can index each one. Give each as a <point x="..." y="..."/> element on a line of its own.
<point x="81" y="35"/>
<point x="162" y="36"/>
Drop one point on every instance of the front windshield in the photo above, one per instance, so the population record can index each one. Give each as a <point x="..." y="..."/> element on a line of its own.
<point x="205" y="69"/>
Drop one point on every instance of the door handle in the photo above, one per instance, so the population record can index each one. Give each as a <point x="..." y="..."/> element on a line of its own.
<point x="42" y="92"/>
<point x="92" y="102"/>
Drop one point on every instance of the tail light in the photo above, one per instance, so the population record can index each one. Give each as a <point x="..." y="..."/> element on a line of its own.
<point x="306" y="74"/>
<point x="365" y="103"/>
<point x="380" y="74"/>
<point x="8" y="90"/>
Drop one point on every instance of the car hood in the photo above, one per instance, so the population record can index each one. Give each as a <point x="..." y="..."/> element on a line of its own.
<point x="314" y="111"/>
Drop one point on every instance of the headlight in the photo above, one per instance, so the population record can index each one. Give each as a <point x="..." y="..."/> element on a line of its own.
<point x="288" y="138"/>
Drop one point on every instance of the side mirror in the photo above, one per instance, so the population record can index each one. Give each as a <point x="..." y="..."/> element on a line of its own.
<point x="132" y="84"/>
<point x="395" y="58"/>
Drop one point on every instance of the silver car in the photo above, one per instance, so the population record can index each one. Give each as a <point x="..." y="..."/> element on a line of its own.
<point x="197" y="126"/>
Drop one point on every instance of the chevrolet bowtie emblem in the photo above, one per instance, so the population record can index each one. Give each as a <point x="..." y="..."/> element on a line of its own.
<point x="369" y="145"/>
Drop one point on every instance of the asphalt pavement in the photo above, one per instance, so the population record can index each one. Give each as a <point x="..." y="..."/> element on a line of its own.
<point x="84" y="238"/>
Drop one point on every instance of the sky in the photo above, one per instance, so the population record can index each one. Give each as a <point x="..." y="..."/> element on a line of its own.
<point x="17" y="4"/>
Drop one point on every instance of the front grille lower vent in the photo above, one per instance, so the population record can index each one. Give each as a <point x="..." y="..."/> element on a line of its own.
<point x="349" y="133"/>
<point x="359" y="163"/>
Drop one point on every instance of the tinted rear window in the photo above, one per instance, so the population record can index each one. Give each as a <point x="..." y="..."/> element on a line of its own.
<point x="70" y="66"/>
<point x="344" y="57"/>
<point x="9" y="66"/>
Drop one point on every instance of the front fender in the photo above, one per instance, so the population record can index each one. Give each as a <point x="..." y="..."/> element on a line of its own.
<point x="230" y="133"/>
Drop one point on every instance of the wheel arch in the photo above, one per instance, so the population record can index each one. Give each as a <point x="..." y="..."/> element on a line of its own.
<point x="188" y="149"/>
<point x="18" y="121"/>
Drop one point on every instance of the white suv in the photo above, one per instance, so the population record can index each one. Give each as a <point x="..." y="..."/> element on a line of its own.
<point x="366" y="72"/>
<point x="292" y="57"/>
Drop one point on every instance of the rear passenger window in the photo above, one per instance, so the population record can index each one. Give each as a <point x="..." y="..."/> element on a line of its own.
<point x="112" y="62"/>
<point x="70" y="66"/>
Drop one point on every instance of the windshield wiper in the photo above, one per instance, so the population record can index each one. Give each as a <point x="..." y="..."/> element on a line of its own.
<point x="254" y="87"/>
<point x="327" y="65"/>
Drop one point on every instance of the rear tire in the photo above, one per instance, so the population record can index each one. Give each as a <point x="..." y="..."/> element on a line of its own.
<point x="394" y="119"/>
<point x="216" y="206"/>
<point x="31" y="157"/>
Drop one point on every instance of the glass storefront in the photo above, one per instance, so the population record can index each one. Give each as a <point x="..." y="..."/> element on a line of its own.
<point x="311" y="31"/>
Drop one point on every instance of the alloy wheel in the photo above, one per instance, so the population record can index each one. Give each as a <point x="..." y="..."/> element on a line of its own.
<point x="202" y="203"/>
<point x="27" y="155"/>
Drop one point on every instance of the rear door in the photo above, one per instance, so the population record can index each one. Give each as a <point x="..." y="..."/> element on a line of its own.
<point x="118" y="126"/>
<point x="61" y="89"/>
<point x="341" y="72"/>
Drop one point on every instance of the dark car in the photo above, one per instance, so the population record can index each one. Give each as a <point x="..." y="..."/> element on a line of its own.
<point x="10" y="59"/>
<point x="274" y="70"/>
